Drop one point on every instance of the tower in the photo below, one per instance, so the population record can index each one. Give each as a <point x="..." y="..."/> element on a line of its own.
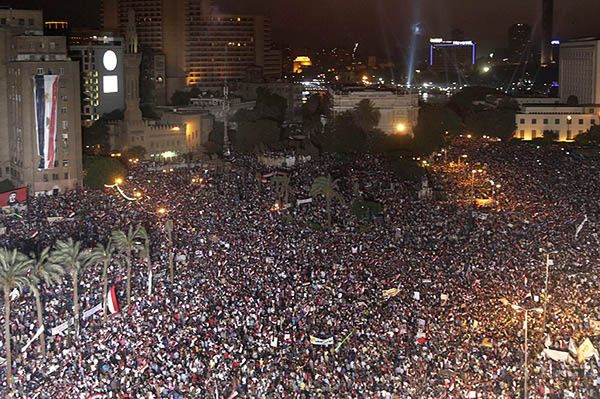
<point x="547" y="31"/>
<point x="133" y="59"/>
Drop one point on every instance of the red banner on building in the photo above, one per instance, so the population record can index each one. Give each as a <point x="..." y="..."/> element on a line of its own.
<point x="13" y="197"/>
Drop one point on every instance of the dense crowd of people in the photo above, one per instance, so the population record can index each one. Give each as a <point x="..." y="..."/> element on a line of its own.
<point x="271" y="303"/>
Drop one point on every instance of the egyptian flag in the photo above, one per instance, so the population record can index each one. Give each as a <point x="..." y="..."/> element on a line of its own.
<point x="45" y="91"/>
<point x="111" y="301"/>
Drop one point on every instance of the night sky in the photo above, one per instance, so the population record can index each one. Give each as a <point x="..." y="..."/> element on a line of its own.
<point x="379" y="25"/>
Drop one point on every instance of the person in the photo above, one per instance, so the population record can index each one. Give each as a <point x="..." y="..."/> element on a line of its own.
<point x="12" y="199"/>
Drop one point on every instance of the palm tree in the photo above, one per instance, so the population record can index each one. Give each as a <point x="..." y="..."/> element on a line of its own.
<point x="103" y="254"/>
<point x="365" y="115"/>
<point x="48" y="273"/>
<point x="127" y="244"/>
<point x="281" y="185"/>
<point x="328" y="188"/>
<point x="169" y="229"/>
<point x="74" y="260"/>
<point x="14" y="273"/>
<point x="143" y="235"/>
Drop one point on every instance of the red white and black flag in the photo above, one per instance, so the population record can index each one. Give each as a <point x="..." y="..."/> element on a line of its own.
<point x="111" y="301"/>
<point x="45" y="91"/>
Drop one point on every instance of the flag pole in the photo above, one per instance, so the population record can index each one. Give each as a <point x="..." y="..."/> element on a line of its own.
<point x="342" y="342"/>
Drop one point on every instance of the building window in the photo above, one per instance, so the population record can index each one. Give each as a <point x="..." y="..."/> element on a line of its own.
<point x="522" y="121"/>
<point x="533" y="121"/>
<point x="569" y="121"/>
<point x="522" y="134"/>
<point x="545" y="121"/>
<point x="40" y="71"/>
<point x="581" y="121"/>
<point x="65" y="125"/>
<point x="569" y="135"/>
<point x="2" y="21"/>
<point x="30" y="21"/>
<point x="67" y="176"/>
<point x="533" y="134"/>
<point x="557" y="121"/>
<point x="61" y="71"/>
<point x="21" y="21"/>
<point x="45" y="178"/>
<point x="63" y="110"/>
<point x="65" y="98"/>
<point x="65" y="163"/>
<point x="593" y="121"/>
<point x="54" y="176"/>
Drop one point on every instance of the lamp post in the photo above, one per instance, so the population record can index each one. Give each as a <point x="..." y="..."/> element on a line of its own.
<point x="526" y="331"/>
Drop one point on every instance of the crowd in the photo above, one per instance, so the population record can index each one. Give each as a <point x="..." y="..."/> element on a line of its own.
<point x="255" y="285"/>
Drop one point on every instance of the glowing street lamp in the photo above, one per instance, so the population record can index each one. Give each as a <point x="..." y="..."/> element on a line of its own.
<point x="161" y="211"/>
<point x="118" y="181"/>
<point x="401" y="127"/>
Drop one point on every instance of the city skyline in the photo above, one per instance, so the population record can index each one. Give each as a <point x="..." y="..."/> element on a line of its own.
<point x="392" y="18"/>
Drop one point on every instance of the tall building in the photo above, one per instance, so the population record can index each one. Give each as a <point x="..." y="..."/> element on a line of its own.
<point x="201" y="48"/>
<point x="100" y="59"/>
<point x="174" y="134"/>
<point x="580" y="70"/>
<point x="451" y="56"/>
<point x="519" y="42"/>
<point x="547" y="31"/>
<point x="40" y="127"/>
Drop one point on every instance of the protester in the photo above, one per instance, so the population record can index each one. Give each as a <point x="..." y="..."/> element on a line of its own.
<point x="254" y="283"/>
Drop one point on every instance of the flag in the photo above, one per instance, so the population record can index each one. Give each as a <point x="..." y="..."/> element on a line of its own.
<point x="391" y="292"/>
<point x="572" y="347"/>
<point x="586" y="350"/>
<point x="233" y="394"/>
<point x="558" y="356"/>
<point x="45" y="91"/>
<point x="111" y="301"/>
<point x="585" y="219"/>
<point x="321" y="341"/>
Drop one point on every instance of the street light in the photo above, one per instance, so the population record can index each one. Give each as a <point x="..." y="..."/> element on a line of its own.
<point x="161" y="211"/>
<point x="521" y="309"/>
<point x="118" y="181"/>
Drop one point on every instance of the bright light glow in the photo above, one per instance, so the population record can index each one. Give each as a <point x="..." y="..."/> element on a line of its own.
<point x="110" y="84"/>
<point x="555" y="42"/>
<point x="161" y="211"/>
<point x="401" y="127"/>
<point x="109" y="60"/>
<point x="137" y="194"/>
<point x="486" y="69"/>
<point x="168" y="154"/>
<point x="118" y="180"/>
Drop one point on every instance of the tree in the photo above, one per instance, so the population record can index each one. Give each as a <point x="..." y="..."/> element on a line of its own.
<point x="183" y="97"/>
<point x="143" y="235"/>
<point x="550" y="136"/>
<point x="592" y="136"/>
<point x="101" y="170"/>
<point x="430" y="132"/>
<point x="103" y="255"/>
<point x="14" y="271"/>
<point x="344" y="135"/>
<point x="281" y="185"/>
<point x="48" y="273"/>
<point x="127" y="244"/>
<point x="365" y="116"/>
<point x="270" y="105"/>
<point x="135" y="152"/>
<point x="328" y="188"/>
<point x="251" y="134"/>
<point x="69" y="255"/>
<point x="497" y="122"/>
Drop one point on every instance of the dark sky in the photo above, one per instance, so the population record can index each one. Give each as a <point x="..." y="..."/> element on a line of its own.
<point x="379" y="25"/>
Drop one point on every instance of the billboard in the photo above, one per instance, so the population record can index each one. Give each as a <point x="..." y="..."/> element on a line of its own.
<point x="13" y="197"/>
<point x="45" y="92"/>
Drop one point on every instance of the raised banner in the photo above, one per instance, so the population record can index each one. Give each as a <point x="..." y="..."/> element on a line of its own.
<point x="90" y="312"/>
<point x="45" y="93"/>
<point x="304" y="201"/>
<point x="36" y="336"/>
<point x="13" y="197"/>
<point x="62" y="327"/>
<point x="321" y="341"/>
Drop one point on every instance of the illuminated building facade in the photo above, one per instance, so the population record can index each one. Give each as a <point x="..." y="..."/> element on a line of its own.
<point x="399" y="111"/>
<point x="101" y="59"/>
<point x="566" y="121"/>
<point x="451" y="57"/>
<point x="580" y="70"/>
<point x="38" y="84"/>
<point x="201" y="48"/>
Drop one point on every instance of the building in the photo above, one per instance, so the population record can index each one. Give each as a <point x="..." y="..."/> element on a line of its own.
<point x="566" y="121"/>
<point x="519" y="42"/>
<point x="175" y="133"/>
<point x="451" y="57"/>
<point x="580" y="70"/>
<point x="547" y="31"/>
<point x="201" y="48"/>
<point x="40" y="130"/>
<point x="399" y="111"/>
<point x="100" y="59"/>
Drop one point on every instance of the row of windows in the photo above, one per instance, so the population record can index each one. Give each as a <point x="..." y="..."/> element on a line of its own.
<point x="20" y="21"/>
<point x="55" y="176"/>
<point x="557" y="121"/>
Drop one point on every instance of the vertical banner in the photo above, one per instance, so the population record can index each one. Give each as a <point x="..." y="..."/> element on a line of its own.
<point x="45" y="90"/>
